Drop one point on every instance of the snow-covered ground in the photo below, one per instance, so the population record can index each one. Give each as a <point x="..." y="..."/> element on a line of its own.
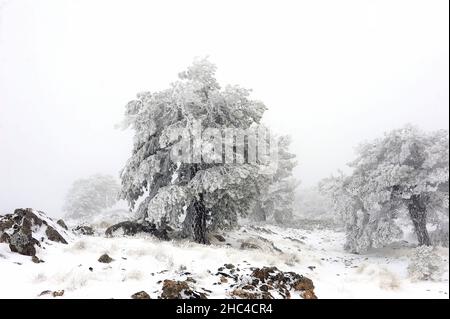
<point x="141" y="263"/>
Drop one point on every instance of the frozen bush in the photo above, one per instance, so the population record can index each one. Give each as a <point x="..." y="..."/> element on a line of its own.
<point x="425" y="264"/>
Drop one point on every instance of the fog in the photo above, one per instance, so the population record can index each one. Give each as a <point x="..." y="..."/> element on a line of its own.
<point x="333" y="73"/>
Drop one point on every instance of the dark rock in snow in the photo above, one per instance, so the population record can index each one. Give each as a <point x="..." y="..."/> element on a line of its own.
<point x="23" y="244"/>
<point x="220" y="238"/>
<point x="4" y="238"/>
<point x="141" y="295"/>
<point x="53" y="235"/>
<point x="18" y="229"/>
<point x="45" y="292"/>
<point x="179" y="290"/>
<point x="6" y="223"/>
<point x="84" y="230"/>
<point x="62" y="224"/>
<point x="246" y="245"/>
<point x="267" y="282"/>
<point x="58" y="293"/>
<point x="105" y="259"/>
<point x="129" y="228"/>
<point x="35" y="259"/>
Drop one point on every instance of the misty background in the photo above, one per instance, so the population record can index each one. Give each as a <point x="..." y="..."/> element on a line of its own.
<point x="333" y="73"/>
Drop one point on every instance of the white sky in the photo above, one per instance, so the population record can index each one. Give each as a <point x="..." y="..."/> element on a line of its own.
<point x="333" y="73"/>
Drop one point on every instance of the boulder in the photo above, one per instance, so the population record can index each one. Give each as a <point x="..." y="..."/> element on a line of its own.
<point x="23" y="243"/>
<point x="179" y="290"/>
<point x="84" y="230"/>
<point x="61" y="223"/>
<point x="267" y="282"/>
<point x="20" y="230"/>
<point x="53" y="235"/>
<point x="130" y="228"/>
<point x="220" y="238"/>
<point x="140" y="295"/>
<point x="4" y="238"/>
<point x="58" y="293"/>
<point x="105" y="259"/>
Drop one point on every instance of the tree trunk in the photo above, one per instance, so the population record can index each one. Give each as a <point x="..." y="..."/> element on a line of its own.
<point x="199" y="226"/>
<point x="259" y="214"/>
<point x="418" y="214"/>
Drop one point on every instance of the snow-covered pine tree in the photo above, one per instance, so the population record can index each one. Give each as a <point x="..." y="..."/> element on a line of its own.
<point x="203" y="192"/>
<point x="405" y="172"/>
<point x="88" y="196"/>
<point x="277" y="196"/>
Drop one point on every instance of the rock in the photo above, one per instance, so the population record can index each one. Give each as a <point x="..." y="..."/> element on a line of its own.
<point x="61" y="223"/>
<point x="45" y="292"/>
<point x="22" y="244"/>
<point x="303" y="284"/>
<point x="246" y="245"/>
<point x="84" y="230"/>
<point x="190" y="279"/>
<point x="264" y="288"/>
<point x="4" y="238"/>
<point x="5" y="223"/>
<point x="53" y="235"/>
<point x="18" y="229"/>
<point x="249" y="287"/>
<point x="229" y="266"/>
<point x="260" y="243"/>
<point x="220" y="238"/>
<point x="58" y="293"/>
<point x="35" y="259"/>
<point x="263" y="273"/>
<point x="179" y="290"/>
<point x="270" y="281"/>
<point x="140" y="295"/>
<point x="105" y="259"/>
<point x="308" y="294"/>
<point x="129" y="228"/>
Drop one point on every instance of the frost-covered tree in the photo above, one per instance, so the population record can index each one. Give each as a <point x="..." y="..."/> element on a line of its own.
<point x="277" y="195"/>
<point x="405" y="172"/>
<point x="89" y="196"/>
<point x="199" y="191"/>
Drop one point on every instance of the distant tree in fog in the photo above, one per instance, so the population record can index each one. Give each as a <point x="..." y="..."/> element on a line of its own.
<point x="89" y="196"/>
<point x="404" y="173"/>
<point x="311" y="203"/>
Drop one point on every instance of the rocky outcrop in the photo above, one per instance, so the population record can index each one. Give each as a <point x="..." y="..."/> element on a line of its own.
<point x="267" y="281"/>
<point x="23" y="243"/>
<point x="180" y="290"/>
<point x="130" y="228"/>
<point x="84" y="230"/>
<point x="27" y="229"/>
<point x="263" y="283"/>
